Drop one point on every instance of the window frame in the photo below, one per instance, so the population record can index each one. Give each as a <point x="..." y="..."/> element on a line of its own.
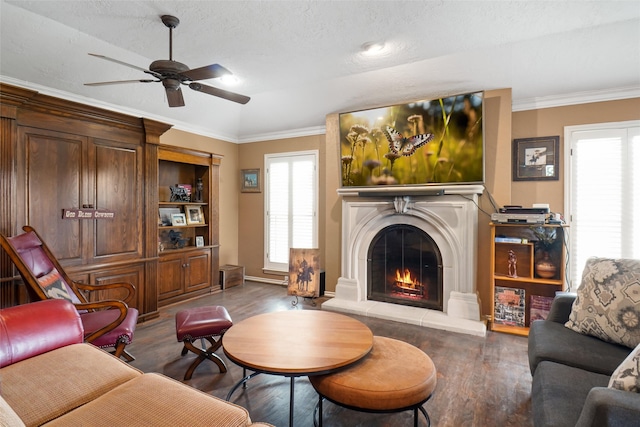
<point x="268" y="158"/>
<point x="573" y="277"/>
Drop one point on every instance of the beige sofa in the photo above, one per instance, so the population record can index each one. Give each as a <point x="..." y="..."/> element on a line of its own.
<point x="48" y="376"/>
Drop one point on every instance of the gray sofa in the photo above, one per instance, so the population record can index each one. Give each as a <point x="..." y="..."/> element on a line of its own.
<point x="571" y="372"/>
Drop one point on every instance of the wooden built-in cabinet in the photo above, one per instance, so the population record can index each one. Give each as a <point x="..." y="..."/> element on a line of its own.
<point x="57" y="155"/>
<point x="520" y="291"/>
<point x="183" y="273"/>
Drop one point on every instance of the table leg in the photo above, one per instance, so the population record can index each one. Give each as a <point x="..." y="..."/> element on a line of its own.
<point x="242" y="382"/>
<point x="291" y="403"/>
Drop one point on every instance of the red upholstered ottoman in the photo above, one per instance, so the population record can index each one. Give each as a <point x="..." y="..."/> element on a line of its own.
<point x="395" y="376"/>
<point x="204" y="323"/>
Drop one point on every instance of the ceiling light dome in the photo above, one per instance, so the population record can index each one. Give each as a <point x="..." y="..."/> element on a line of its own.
<point x="372" y="48"/>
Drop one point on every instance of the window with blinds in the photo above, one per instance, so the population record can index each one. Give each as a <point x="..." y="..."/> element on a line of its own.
<point x="291" y="200"/>
<point x="603" y="193"/>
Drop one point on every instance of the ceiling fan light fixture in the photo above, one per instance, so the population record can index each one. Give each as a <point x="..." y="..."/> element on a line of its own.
<point x="230" y="80"/>
<point x="171" y="84"/>
<point x="372" y="48"/>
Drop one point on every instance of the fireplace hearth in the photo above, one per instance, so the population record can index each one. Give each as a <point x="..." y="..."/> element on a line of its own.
<point x="427" y="280"/>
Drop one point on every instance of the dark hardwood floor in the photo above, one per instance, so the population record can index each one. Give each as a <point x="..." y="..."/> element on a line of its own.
<point x="481" y="381"/>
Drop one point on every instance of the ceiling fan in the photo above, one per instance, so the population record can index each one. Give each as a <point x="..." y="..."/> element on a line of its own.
<point x="172" y="74"/>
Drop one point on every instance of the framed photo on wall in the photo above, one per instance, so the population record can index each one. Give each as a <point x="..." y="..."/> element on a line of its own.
<point x="536" y="159"/>
<point x="250" y="180"/>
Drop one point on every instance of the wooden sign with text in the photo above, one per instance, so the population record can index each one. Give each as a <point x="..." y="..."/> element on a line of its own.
<point x="88" y="214"/>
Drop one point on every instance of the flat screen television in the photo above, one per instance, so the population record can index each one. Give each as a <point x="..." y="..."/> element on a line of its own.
<point x="429" y="142"/>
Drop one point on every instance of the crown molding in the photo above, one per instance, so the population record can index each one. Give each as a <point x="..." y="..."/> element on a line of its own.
<point x="44" y="90"/>
<point x="291" y="133"/>
<point x="519" y="105"/>
<point x="576" y="98"/>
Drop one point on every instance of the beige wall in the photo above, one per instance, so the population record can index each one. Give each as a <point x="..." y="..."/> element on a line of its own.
<point x="551" y="122"/>
<point x="251" y="205"/>
<point x="497" y="141"/>
<point x="241" y="214"/>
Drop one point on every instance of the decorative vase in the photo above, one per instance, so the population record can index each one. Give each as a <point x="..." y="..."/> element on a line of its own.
<point x="199" y="189"/>
<point x="545" y="268"/>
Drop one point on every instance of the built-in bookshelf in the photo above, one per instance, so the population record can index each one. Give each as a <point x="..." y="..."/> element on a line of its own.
<point x="188" y="187"/>
<point x="527" y="269"/>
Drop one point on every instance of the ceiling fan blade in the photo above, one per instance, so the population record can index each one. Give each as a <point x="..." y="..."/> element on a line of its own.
<point x="174" y="96"/>
<point x="117" y="82"/>
<point x="208" y="72"/>
<point x="119" y="62"/>
<point x="240" y="99"/>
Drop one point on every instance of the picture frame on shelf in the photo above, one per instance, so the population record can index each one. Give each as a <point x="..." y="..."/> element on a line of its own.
<point x="194" y="215"/>
<point x="250" y="180"/>
<point x="199" y="241"/>
<point x="178" y="220"/>
<point x="536" y="159"/>
<point x="166" y="215"/>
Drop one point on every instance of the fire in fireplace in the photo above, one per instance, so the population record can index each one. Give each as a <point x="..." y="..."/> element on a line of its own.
<point x="405" y="267"/>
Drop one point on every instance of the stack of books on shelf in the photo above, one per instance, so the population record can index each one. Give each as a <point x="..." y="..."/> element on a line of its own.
<point x="499" y="239"/>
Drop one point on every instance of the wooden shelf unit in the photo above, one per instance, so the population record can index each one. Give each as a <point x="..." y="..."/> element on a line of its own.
<point x="515" y="319"/>
<point x="187" y="270"/>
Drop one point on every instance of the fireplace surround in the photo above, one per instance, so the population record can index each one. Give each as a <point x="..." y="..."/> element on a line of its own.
<point x="448" y="215"/>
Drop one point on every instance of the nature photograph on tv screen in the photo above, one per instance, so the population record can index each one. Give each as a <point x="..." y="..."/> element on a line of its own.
<point x="426" y="142"/>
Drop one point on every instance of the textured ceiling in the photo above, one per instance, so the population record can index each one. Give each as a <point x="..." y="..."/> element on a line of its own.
<point x="299" y="60"/>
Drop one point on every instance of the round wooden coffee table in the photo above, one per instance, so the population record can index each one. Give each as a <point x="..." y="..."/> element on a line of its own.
<point x="295" y="343"/>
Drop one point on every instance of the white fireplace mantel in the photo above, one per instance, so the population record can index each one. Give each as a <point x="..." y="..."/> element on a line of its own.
<point x="449" y="215"/>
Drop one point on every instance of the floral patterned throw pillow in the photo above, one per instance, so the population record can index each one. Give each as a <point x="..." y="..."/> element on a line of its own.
<point x="626" y="377"/>
<point x="608" y="301"/>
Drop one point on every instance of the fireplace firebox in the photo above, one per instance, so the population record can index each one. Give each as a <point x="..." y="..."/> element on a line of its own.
<point x="405" y="267"/>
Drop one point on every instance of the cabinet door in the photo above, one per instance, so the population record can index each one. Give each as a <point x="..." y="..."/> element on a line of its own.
<point x="118" y="188"/>
<point x="133" y="274"/>
<point x="170" y="276"/>
<point x="53" y="180"/>
<point x="66" y="171"/>
<point x="198" y="271"/>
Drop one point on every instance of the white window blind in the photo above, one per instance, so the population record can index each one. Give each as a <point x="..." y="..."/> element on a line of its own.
<point x="604" y="194"/>
<point x="291" y="206"/>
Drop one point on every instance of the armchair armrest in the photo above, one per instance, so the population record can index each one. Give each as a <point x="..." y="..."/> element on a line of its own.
<point x="609" y="407"/>
<point x="121" y="306"/>
<point x="561" y="307"/>
<point x="31" y="329"/>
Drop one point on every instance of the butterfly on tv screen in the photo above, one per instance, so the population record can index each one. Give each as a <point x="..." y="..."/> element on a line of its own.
<point x="405" y="146"/>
